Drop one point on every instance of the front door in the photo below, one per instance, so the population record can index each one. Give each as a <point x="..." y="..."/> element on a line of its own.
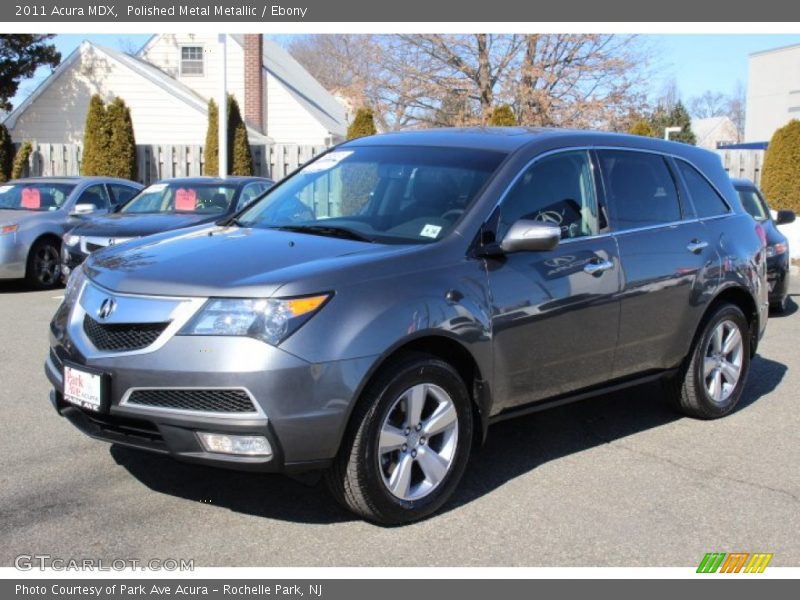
<point x="555" y="313"/>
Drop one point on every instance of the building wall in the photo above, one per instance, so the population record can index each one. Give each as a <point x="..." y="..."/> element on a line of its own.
<point x="165" y="53"/>
<point x="773" y="92"/>
<point x="58" y="115"/>
<point x="288" y="122"/>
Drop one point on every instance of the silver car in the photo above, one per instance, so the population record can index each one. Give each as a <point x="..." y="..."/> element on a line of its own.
<point x="36" y="212"/>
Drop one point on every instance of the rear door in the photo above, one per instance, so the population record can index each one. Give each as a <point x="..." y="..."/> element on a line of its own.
<point x="555" y="314"/>
<point x="667" y="258"/>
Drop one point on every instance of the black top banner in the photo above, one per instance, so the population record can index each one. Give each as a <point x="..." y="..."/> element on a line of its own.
<point x="461" y="11"/>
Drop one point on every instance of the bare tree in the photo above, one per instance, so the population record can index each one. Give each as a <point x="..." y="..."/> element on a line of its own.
<point x="587" y="80"/>
<point x="736" y="107"/>
<point x="708" y="104"/>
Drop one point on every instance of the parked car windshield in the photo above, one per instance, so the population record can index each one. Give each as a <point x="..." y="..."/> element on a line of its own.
<point x="397" y="194"/>
<point x="754" y="204"/>
<point x="182" y="197"/>
<point x="34" y="196"/>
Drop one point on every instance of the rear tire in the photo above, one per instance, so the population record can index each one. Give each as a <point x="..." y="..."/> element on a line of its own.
<point x="407" y="445"/>
<point x="710" y="385"/>
<point x="43" y="269"/>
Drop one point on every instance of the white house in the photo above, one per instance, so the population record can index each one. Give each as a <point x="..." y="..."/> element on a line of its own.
<point x="773" y="92"/>
<point x="167" y="85"/>
<point x="715" y="131"/>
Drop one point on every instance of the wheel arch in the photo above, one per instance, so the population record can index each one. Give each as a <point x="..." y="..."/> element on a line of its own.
<point x="45" y="235"/>
<point x="741" y="298"/>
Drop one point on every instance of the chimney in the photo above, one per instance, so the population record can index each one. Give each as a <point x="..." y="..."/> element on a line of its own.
<point x="254" y="81"/>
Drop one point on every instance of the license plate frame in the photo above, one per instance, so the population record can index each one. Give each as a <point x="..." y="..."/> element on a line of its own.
<point x="95" y="382"/>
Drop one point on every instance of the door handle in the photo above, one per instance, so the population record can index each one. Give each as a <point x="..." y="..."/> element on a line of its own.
<point x="598" y="267"/>
<point x="696" y="246"/>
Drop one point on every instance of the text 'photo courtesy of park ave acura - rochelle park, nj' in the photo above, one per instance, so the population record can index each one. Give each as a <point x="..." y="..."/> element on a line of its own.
<point x="409" y="301"/>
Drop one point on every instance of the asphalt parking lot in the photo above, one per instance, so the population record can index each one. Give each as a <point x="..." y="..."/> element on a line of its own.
<point x="615" y="481"/>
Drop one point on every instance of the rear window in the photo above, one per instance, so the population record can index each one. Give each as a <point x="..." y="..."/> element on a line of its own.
<point x="640" y="189"/>
<point x="707" y="202"/>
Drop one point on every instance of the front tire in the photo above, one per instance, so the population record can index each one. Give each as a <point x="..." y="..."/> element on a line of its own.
<point x="408" y="443"/>
<point x="43" y="270"/>
<point x="711" y="384"/>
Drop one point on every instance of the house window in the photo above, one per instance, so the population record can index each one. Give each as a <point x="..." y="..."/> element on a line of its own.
<point x="191" y="60"/>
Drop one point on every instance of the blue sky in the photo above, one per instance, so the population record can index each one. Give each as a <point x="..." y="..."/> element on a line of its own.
<point x="697" y="62"/>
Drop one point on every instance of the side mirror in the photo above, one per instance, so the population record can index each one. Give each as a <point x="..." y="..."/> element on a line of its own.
<point x="83" y="209"/>
<point x="529" y="235"/>
<point x="784" y="217"/>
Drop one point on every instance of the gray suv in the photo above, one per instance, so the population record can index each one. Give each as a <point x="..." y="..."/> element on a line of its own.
<point x="376" y="311"/>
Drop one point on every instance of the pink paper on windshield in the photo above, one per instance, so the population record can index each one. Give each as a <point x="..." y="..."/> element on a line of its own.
<point x="185" y="199"/>
<point x="31" y="198"/>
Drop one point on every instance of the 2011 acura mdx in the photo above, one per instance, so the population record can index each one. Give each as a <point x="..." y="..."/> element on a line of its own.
<point x="378" y="309"/>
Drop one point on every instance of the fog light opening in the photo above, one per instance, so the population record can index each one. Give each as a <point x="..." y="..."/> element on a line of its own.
<point x="242" y="445"/>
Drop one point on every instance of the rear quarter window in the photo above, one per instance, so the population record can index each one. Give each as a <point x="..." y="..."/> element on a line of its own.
<point x="707" y="202"/>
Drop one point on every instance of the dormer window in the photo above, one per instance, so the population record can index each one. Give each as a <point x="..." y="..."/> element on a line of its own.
<point x="191" y="60"/>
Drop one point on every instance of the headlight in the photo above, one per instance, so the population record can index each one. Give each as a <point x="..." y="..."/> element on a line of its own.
<point x="71" y="240"/>
<point x="266" y="319"/>
<point x="74" y="285"/>
<point x="776" y="249"/>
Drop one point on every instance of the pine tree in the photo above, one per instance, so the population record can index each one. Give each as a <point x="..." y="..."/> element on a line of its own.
<point x="240" y="161"/>
<point x="680" y="118"/>
<point x="781" y="174"/>
<point x="211" y="151"/>
<point x="502" y="116"/>
<point x="21" y="160"/>
<point x="642" y="127"/>
<point x="6" y="153"/>
<point x="95" y="139"/>
<point x="363" y="124"/>
<point x="121" y="156"/>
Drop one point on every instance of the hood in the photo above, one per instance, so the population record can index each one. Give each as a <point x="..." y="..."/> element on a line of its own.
<point x="229" y="261"/>
<point x="123" y="225"/>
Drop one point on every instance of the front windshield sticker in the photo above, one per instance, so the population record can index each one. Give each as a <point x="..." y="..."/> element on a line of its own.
<point x="431" y="231"/>
<point x="328" y="161"/>
<point x="5" y="188"/>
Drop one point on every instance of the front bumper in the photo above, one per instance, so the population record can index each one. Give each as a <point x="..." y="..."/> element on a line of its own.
<point x="778" y="277"/>
<point x="13" y="256"/>
<point x="302" y="408"/>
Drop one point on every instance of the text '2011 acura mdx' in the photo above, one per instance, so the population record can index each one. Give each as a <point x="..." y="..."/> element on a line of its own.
<point x="379" y="308"/>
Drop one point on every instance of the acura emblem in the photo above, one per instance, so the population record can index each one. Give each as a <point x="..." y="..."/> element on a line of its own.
<point x="107" y="307"/>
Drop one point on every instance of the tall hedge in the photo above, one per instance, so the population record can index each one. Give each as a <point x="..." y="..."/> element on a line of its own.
<point x="780" y="180"/>
<point x="96" y="137"/>
<point x="502" y="116"/>
<point x="6" y="153"/>
<point x="211" y="149"/>
<point x="240" y="160"/>
<point x="363" y="124"/>
<point x="121" y="158"/>
<point x="21" y="160"/>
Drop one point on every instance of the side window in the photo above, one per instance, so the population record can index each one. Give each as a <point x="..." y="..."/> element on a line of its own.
<point x="120" y="194"/>
<point x="249" y="193"/>
<point x="557" y="189"/>
<point x="707" y="202"/>
<point x="640" y="189"/>
<point x="94" y="195"/>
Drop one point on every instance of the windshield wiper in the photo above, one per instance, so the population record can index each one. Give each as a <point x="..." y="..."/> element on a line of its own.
<point x="326" y="230"/>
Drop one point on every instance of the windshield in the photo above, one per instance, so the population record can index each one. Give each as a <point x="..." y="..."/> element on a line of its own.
<point x="34" y="196"/>
<point x="397" y="194"/>
<point x="754" y="204"/>
<point x="180" y="197"/>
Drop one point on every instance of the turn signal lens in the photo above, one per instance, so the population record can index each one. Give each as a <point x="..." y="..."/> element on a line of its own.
<point x="8" y="229"/>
